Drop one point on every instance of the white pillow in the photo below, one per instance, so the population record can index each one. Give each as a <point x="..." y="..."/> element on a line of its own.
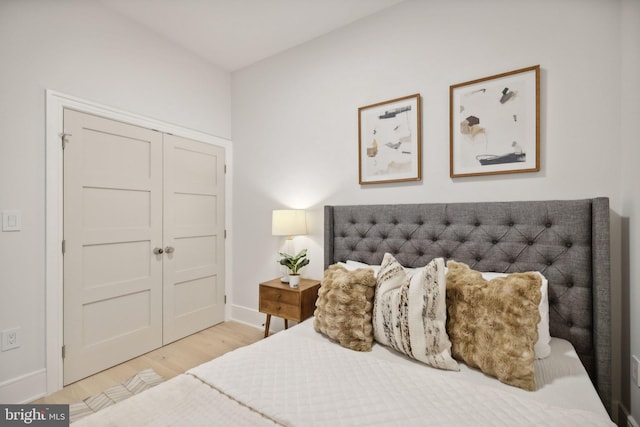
<point x="410" y="312"/>
<point x="352" y="265"/>
<point x="542" y="347"/>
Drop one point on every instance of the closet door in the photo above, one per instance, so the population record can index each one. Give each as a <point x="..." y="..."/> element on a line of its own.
<point x="193" y="237"/>
<point x="112" y="224"/>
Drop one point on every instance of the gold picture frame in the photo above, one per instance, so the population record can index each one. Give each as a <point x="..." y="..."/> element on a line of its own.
<point x="494" y="124"/>
<point x="389" y="141"/>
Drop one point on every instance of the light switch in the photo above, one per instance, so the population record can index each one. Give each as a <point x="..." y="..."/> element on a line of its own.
<point x="11" y="221"/>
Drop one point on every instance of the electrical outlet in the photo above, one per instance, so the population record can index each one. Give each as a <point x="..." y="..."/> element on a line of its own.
<point x="635" y="367"/>
<point x="10" y="339"/>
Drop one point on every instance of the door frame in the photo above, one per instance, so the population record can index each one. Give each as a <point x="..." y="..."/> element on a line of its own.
<point x="56" y="102"/>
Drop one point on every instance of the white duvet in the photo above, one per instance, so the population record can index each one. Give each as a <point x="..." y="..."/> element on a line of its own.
<point x="300" y="378"/>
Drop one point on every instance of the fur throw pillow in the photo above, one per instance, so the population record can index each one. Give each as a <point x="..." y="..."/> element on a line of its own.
<point x="410" y="312"/>
<point x="493" y="325"/>
<point x="344" y="307"/>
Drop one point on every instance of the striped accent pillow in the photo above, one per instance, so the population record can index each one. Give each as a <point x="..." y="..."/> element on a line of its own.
<point x="410" y="312"/>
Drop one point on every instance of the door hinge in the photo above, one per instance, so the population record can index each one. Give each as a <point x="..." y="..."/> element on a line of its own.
<point x="64" y="351"/>
<point x="225" y="233"/>
<point x="225" y="168"/>
<point x="64" y="246"/>
<point x="225" y="299"/>
<point x="64" y="138"/>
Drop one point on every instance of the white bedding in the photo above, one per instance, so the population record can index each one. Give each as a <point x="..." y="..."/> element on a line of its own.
<point x="181" y="401"/>
<point x="300" y="378"/>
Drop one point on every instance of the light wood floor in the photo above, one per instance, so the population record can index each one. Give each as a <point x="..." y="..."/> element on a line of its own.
<point x="168" y="361"/>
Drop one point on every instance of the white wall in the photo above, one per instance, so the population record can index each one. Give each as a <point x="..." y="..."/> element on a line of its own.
<point x="630" y="111"/>
<point x="81" y="49"/>
<point x="294" y="116"/>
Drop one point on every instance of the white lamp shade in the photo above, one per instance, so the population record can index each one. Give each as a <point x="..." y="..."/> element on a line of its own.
<point x="288" y="222"/>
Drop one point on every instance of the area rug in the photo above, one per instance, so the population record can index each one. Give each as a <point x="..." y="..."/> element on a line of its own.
<point x="138" y="383"/>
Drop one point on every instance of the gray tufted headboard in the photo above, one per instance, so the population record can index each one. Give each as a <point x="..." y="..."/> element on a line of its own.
<point x="566" y="240"/>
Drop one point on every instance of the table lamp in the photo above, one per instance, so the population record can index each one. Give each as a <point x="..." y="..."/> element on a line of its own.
<point x="288" y="222"/>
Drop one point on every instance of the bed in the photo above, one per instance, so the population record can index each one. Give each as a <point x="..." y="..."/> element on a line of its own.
<point x="300" y="377"/>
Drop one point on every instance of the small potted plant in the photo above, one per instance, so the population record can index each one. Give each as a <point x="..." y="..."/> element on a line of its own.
<point x="294" y="264"/>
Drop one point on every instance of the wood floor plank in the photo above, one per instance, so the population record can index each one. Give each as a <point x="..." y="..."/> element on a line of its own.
<point x="168" y="361"/>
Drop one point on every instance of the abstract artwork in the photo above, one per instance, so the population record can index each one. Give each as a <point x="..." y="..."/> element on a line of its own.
<point x="389" y="141"/>
<point x="494" y="124"/>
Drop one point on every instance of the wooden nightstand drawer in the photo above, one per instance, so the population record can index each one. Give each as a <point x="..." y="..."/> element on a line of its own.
<point x="287" y="311"/>
<point x="268" y="294"/>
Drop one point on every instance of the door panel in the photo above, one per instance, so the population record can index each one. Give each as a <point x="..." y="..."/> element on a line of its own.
<point x="116" y="263"/>
<point x="112" y="222"/>
<point x="190" y="295"/>
<point x="194" y="228"/>
<point x="104" y="149"/>
<point x="136" y="305"/>
<point x="104" y="209"/>
<point x="197" y="252"/>
<point x="195" y="211"/>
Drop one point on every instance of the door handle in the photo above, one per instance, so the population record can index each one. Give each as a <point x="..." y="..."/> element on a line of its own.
<point x="158" y="251"/>
<point x="169" y="249"/>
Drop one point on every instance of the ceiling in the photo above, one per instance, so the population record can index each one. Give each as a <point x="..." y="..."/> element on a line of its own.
<point x="235" y="33"/>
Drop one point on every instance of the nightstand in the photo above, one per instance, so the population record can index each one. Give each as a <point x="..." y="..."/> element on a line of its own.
<point x="279" y="299"/>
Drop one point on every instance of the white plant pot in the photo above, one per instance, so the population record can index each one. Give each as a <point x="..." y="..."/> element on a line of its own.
<point x="294" y="280"/>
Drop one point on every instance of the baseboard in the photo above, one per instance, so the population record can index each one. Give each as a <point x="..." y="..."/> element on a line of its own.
<point x="254" y="318"/>
<point x="24" y="389"/>
<point x="624" y="419"/>
<point x="247" y="316"/>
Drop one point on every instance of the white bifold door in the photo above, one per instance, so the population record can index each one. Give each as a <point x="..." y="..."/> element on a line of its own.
<point x="143" y="241"/>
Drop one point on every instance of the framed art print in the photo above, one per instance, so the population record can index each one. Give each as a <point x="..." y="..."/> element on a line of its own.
<point x="494" y="124"/>
<point x="389" y="141"/>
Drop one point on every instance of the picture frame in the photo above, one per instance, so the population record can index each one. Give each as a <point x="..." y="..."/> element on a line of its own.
<point x="389" y="141"/>
<point x="494" y="124"/>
